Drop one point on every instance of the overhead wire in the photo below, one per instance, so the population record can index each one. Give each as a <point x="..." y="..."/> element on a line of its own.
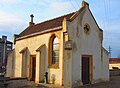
<point x="77" y="3"/>
<point x="107" y="22"/>
<point x="72" y="4"/>
<point x="108" y="14"/>
<point x="109" y="9"/>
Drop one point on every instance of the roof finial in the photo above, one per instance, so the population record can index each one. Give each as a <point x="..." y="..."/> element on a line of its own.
<point x="31" y="18"/>
<point x="31" y="22"/>
<point x="84" y="3"/>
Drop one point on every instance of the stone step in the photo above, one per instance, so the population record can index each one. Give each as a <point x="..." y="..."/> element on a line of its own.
<point x="43" y="85"/>
<point x="31" y="83"/>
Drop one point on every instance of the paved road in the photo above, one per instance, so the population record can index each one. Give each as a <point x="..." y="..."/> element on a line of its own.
<point x="113" y="83"/>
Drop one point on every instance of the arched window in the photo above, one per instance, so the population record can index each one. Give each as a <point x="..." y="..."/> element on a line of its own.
<point x="54" y="51"/>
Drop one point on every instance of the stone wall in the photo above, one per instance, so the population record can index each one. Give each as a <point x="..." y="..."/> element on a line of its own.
<point x="114" y="72"/>
<point x="10" y="68"/>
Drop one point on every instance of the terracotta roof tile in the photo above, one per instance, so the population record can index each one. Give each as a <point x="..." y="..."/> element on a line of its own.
<point x="56" y="22"/>
<point x="114" y="60"/>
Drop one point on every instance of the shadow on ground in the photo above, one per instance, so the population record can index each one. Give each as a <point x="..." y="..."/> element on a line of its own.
<point x="113" y="83"/>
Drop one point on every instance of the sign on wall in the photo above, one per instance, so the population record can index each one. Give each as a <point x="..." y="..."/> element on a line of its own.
<point x="68" y="45"/>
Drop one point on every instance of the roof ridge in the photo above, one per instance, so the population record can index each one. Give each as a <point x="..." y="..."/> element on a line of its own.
<point x="47" y="24"/>
<point x="56" y="18"/>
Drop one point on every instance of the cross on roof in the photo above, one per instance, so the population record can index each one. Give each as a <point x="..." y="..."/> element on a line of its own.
<point x="31" y="18"/>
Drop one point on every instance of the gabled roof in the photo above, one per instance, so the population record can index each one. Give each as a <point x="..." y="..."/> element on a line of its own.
<point x="53" y="23"/>
<point x="56" y="22"/>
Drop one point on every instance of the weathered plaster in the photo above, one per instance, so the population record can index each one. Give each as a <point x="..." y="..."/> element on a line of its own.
<point x="70" y="63"/>
<point x="33" y="43"/>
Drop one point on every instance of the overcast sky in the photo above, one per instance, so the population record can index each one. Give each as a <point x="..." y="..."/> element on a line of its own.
<point x="15" y="16"/>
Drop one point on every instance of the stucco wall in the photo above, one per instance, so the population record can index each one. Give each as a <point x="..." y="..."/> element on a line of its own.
<point x="111" y="65"/>
<point x="33" y="43"/>
<point x="105" y="66"/>
<point x="10" y="64"/>
<point x="82" y="44"/>
<point x="85" y="44"/>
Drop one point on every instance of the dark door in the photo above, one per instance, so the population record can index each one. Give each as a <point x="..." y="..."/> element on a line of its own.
<point x="33" y="68"/>
<point x="85" y="70"/>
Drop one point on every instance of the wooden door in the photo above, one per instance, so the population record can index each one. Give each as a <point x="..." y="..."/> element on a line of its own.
<point x="32" y="67"/>
<point x="85" y="70"/>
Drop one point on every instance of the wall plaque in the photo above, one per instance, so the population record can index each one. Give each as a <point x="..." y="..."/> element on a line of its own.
<point x="68" y="45"/>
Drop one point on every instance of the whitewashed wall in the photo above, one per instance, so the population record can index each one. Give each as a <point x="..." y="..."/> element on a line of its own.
<point x="85" y="44"/>
<point x="105" y="66"/>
